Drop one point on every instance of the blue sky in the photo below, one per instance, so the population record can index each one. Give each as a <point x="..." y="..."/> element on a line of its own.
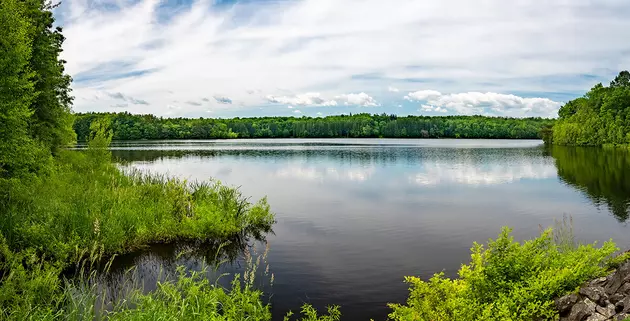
<point x="201" y="58"/>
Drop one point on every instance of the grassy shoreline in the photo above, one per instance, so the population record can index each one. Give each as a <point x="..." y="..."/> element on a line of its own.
<point x="86" y="208"/>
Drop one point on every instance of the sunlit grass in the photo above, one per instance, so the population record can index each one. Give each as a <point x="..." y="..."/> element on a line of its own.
<point x="86" y="209"/>
<point x="80" y="204"/>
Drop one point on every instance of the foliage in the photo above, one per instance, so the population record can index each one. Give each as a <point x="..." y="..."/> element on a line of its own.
<point x="603" y="174"/>
<point x="127" y="126"/>
<point x="506" y="280"/>
<point x="33" y="290"/>
<point x="310" y="314"/>
<point x="601" y="117"/>
<point x="193" y="297"/>
<point x="51" y="120"/>
<point x="83" y="201"/>
<point x="18" y="152"/>
<point x="86" y="206"/>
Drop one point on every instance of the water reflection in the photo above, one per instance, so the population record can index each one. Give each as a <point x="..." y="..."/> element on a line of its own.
<point x="355" y="217"/>
<point x="327" y="173"/>
<point x="602" y="174"/>
<point x="471" y="173"/>
<point x="471" y="166"/>
<point x="145" y="269"/>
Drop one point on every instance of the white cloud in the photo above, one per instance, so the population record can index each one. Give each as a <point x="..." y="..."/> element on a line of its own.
<point x="165" y="53"/>
<point x="426" y="107"/>
<point x="308" y="99"/>
<point x="297" y="111"/>
<point x="316" y="99"/>
<point x="422" y="95"/>
<point x="484" y="103"/>
<point x="290" y="107"/>
<point x="360" y="99"/>
<point x="319" y="114"/>
<point x="392" y="89"/>
<point x="440" y="110"/>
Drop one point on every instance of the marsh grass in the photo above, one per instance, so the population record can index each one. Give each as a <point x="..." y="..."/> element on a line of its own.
<point x="82" y="204"/>
<point x="84" y="210"/>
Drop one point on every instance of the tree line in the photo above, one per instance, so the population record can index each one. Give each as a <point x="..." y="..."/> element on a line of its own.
<point x="128" y="126"/>
<point x="35" y="114"/>
<point x="600" y="117"/>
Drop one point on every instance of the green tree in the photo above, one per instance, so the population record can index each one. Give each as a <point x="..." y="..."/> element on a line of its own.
<point x="16" y="91"/>
<point x="601" y="117"/>
<point x="622" y="80"/>
<point x="51" y="120"/>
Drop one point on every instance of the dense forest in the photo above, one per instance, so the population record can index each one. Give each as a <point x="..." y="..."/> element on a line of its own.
<point x="600" y="117"/>
<point x="127" y="126"/>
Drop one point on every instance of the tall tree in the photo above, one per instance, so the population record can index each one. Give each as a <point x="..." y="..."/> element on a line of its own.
<point x="51" y="121"/>
<point x="622" y="80"/>
<point x="16" y="90"/>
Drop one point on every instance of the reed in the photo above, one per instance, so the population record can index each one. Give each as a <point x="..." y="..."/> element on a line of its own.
<point x="86" y="209"/>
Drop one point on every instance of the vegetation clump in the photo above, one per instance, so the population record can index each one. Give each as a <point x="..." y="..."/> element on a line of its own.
<point x="600" y="118"/>
<point x="508" y="280"/>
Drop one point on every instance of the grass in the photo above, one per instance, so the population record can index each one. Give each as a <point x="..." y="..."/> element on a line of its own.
<point x="84" y="209"/>
<point x="83" y="203"/>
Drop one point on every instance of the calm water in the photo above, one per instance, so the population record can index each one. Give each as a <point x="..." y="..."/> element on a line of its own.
<point x="355" y="216"/>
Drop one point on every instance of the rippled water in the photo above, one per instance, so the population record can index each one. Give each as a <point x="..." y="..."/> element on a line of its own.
<point x="357" y="215"/>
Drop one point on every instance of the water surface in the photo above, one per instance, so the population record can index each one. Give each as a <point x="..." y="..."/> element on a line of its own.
<point x="357" y="215"/>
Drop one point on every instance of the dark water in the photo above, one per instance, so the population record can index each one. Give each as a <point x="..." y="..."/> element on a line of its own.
<point x="356" y="216"/>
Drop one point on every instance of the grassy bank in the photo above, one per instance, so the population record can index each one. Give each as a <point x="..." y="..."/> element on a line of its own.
<point x="86" y="201"/>
<point x="86" y="207"/>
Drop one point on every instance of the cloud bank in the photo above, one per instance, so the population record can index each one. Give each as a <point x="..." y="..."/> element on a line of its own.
<point x="500" y="57"/>
<point x="484" y="104"/>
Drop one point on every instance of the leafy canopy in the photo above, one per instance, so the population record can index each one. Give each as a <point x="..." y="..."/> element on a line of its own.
<point x="601" y="117"/>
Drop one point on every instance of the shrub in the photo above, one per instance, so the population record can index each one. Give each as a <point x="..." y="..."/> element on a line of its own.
<point x="507" y="280"/>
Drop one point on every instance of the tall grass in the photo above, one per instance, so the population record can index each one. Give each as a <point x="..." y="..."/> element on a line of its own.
<point x="82" y="203"/>
<point x="85" y="208"/>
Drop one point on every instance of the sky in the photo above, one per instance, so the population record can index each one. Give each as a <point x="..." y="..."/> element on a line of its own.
<point x="202" y="58"/>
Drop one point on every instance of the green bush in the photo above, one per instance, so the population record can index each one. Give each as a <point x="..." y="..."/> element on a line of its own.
<point x="82" y="203"/>
<point x="507" y="280"/>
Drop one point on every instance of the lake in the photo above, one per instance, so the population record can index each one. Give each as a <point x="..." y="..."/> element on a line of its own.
<point x="354" y="216"/>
